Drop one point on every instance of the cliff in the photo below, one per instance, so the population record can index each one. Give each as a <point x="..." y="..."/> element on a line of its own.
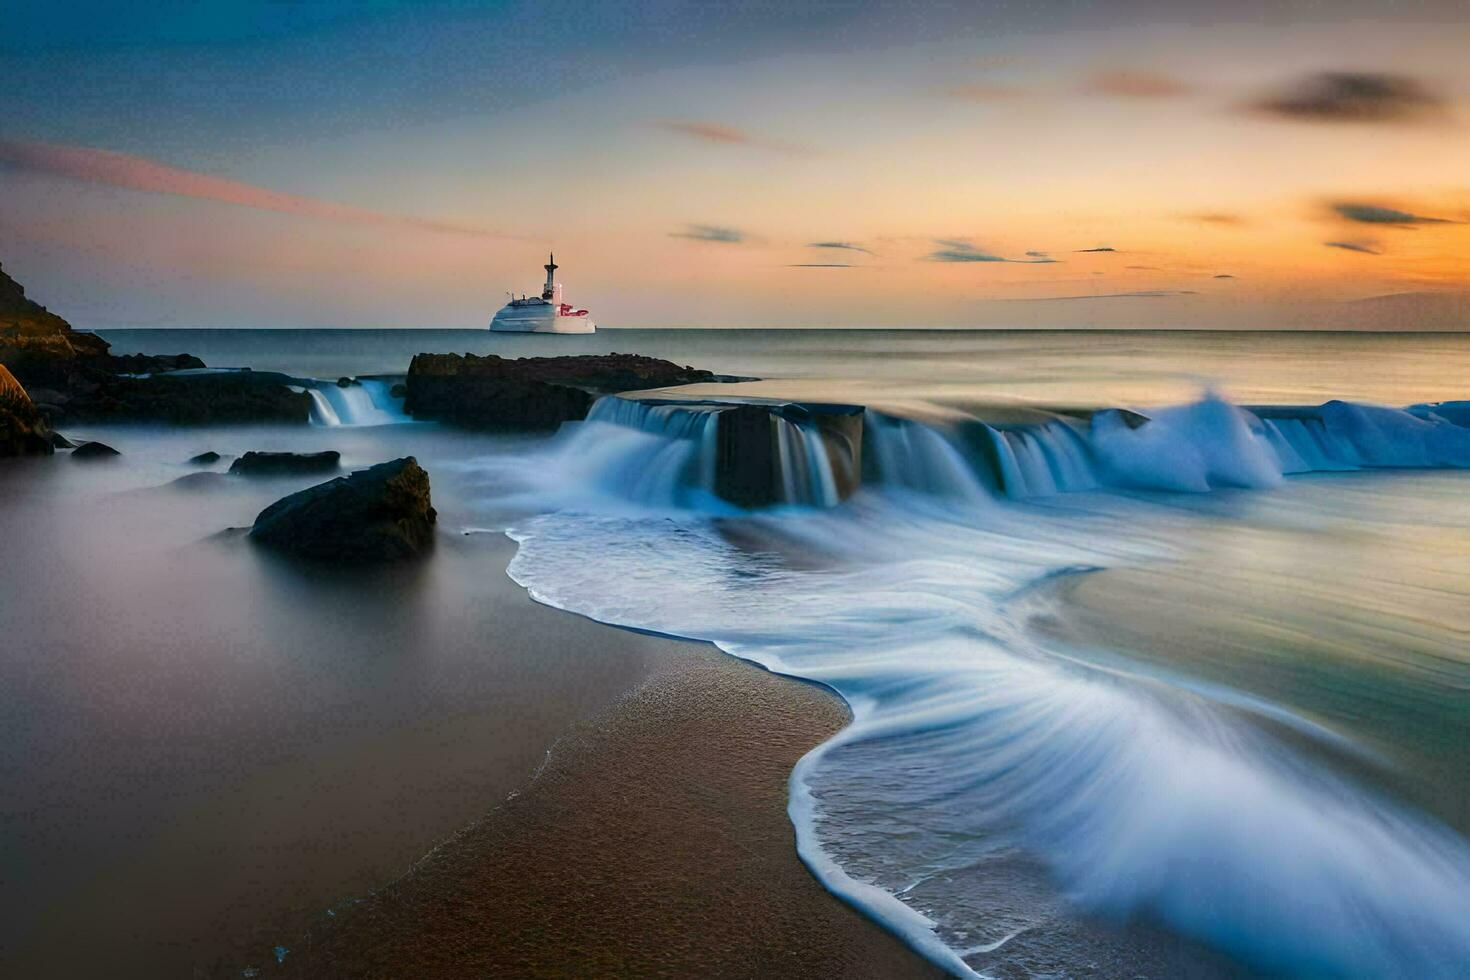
<point x="72" y="376"/>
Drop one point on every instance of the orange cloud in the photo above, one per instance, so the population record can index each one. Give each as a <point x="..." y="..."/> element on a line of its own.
<point x="141" y="174"/>
<point x="1130" y="83"/>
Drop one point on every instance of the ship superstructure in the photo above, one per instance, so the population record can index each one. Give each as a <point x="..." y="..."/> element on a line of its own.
<point x="546" y="313"/>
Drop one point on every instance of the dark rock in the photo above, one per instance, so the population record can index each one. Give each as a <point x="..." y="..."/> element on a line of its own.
<point x="59" y="441"/>
<point x="76" y="376"/>
<point x="747" y="471"/>
<point x="500" y="403"/>
<point x="153" y="363"/>
<point x="94" y="450"/>
<point x="200" y="399"/>
<point x="23" y="430"/>
<point x="39" y="347"/>
<point x="382" y="513"/>
<point x="205" y="459"/>
<point x="200" y="482"/>
<point x="399" y="390"/>
<point x="748" y="460"/>
<point x="346" y="382"/>
<point x="280" y="464"/>
<point x="529" y="392"/>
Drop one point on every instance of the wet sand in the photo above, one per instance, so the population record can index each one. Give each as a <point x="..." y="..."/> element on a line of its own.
<point x="655" y="841"/>
<point x="210" y="747"/>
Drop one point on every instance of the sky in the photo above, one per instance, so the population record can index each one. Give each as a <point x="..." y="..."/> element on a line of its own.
<point x="984" y="164"/>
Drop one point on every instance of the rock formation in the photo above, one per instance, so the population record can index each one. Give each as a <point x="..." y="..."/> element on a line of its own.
<point x="285" y="464"/>
<point x="73" y="376"/>
<point x="23" y="432"/>
<point x="94" y="450"/>
<point x="382" y="513"/>
<point x="748" y="458"/>
<point x="529" y="392"/>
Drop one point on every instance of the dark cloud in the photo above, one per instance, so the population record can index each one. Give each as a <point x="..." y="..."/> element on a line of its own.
<point x="1127" y="83"/>
<point x="1224" y="275"/>
<point x="1144" y="268"/>
<point x="842" y="245"/>
<point x="1352" y="96"/>
<point x="960" y="250"/>
<point x="1038" y="255"/>
<point x="1373" y="214"/>
<point x="820" y="265"/>
<point x="710" y="233"/>
<point x="1102" y="249"/>
<point x="1139" y="294"/>
<point x="1367" y="248"/>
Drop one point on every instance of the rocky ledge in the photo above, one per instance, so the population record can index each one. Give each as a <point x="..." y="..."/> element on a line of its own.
<point x="285" y="464"/>
<point x="23" y="432"/>
<point x="74" y="377"/>
<point x="383" y="513"/>
<point x="494" y="392"/>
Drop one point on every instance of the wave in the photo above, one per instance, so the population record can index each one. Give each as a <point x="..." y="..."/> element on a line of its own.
<point x="982" y="756"/>
<point x="667" y="454"/>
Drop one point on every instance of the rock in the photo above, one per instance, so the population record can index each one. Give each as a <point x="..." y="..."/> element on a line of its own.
<point x="59" y="441"/>
<point x="39" y="347"/>
<point x="23" y="430"/>
<point x="530" y="392"/>
<point x="82" y="381"/>
<point x="747" y="471"/>
<point x="225" y="398"/>
<point x="485" y="403"/>
<point x="399" y="390"/>
<point x="94" y="451"/>
<point x="200" y="482"/>
<point x="205" y="459"/>
<point x="281" y="464"/>
<point x="153" y="363"/>
<point x="748" y="458"/>
<point x="346" y="382"/>
<point x="383" y="513"/>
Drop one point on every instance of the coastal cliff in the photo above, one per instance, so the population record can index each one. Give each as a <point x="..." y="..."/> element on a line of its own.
<point x="73" y="376"/>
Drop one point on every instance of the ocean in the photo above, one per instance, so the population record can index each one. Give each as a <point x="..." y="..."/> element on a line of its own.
<point x="1138" y="650"/>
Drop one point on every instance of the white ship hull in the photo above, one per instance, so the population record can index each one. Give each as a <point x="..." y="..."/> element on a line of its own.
<point x="543" y="314"/>
<point x="539" y="319"/>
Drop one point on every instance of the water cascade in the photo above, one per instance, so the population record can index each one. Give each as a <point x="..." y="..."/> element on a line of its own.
<point x="365" y="402"/>
<point x="702" y="453"/>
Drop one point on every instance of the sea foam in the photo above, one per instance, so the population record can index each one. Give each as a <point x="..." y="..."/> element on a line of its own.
<point x="978" y="746"/>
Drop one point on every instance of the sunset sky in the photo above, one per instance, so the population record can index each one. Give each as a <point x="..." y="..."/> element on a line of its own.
<point x="803" y="164"/>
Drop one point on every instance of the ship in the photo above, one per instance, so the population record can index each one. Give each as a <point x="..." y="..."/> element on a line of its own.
<point x="543" y="314"/>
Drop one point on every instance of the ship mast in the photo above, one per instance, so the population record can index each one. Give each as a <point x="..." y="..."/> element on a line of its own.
<point x="550" y="268"/>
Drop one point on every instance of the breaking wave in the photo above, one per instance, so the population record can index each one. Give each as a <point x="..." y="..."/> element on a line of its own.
<point x="982" y="755"/>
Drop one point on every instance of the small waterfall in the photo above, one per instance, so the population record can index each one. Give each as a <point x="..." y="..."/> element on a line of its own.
<point x="669" y="454"/>
<point x="366" y="402"/>
<point x="322" y="410"/>
<point x="1197" y="447"/>
<point x="681" y="454"/>
<point x="915" y="456"/>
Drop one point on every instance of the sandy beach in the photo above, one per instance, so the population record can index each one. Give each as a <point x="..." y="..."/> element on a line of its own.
<point x="654" y="842"/>
<point x="216" y="747"/>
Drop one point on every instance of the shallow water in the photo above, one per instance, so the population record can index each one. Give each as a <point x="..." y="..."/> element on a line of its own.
<point x="1148" y="699"/>
<point x="202" y="747"/>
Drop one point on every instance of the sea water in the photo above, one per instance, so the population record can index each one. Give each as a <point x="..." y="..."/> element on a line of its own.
<point x="1188" y="696"/>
